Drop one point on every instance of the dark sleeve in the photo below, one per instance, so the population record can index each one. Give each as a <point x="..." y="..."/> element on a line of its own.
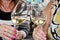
<point x="1" y="38"/>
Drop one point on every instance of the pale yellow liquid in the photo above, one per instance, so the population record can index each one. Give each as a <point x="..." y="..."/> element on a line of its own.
<point x="18" y="20"/>
<point x="38" y="21"/>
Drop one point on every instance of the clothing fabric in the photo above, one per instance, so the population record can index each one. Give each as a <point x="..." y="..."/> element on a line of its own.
<point x="5" y="16"/>
<point x="54" y="29"/>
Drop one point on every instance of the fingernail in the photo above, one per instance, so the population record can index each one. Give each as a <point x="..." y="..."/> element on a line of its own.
<point x="14" y="35"/>
<point x="15" y="31"/>
<point x="9" y="39"/>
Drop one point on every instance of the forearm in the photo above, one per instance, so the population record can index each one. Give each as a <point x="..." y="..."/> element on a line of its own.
<point x="47" y="13"/>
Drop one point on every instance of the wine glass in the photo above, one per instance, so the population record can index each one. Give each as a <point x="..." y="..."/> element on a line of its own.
<point x="37" y="17"/>
<point x="19" y="15"/>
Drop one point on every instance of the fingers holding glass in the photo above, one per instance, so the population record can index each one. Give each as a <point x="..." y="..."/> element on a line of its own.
<point x="7" y="31"/>
<point x="38" y="34"/>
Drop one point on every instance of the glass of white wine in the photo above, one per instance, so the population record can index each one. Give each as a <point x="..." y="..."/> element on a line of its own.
<point x="38" y="18"/>
<point x="18" y="15"/>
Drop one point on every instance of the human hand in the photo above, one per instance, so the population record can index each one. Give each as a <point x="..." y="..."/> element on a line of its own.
<point x="39" y="34"/>
<point x="7" y="32"/>
<point x="19" y="35"/>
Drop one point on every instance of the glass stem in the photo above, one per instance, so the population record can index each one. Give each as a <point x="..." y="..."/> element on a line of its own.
<point x="15" y="26"/>
<point x="41" y="27"/>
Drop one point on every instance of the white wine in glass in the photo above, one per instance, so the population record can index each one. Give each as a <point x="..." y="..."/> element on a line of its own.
<point x="38" y="21"/>
<point x="17" y="16"/>
<point x="17" y="20"/>
<point x="38" y="18"/>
